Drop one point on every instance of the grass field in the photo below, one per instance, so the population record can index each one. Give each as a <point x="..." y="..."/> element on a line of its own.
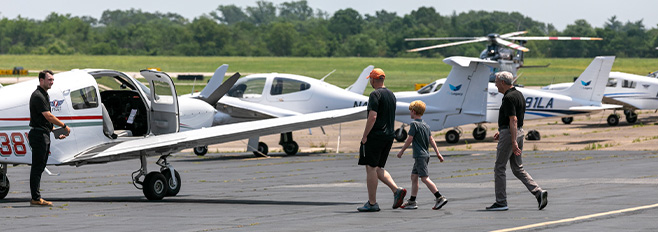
<point x="401" y="73"/>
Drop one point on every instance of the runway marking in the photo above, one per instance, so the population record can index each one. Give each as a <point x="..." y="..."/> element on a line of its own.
<point x="577" y="218"/>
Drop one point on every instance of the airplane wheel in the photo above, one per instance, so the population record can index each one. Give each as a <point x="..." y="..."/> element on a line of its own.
<point x="4" y="190"/>
<point x="452" y="136"/>
<point x="613" y="120"/>
<point x="631" y="117"/>
<point x="172" y="189"/>
<point x="567" y="120"/>
<point x="400" y="135"/>
<point x="290" y="148"/>
<point x="155" y="187"/>
<point x="201" y="151"/>
<point x="262" y="148"/>
<point x="479" y="133"/>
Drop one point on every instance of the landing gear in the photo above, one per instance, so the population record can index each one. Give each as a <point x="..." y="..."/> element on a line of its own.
<point x="613" y="120"/>
<point x="480" y="132"/>
<point x="157" y="185"/>
<point x="452" y="136"/>
<point x="401" y="134"/>
<point x="4" y="181"/>
<point x="201" y="151"/>
<point x="567" y="120"/>
<point x="631" y="116"/>
<point x="290" y="147"/>
<point x="262" y="149"/>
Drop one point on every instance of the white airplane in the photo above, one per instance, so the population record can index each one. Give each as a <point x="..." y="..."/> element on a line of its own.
<point x="114" y="117"/>
<point x="271" y="95"/>
<point x="583" y="98"/>
<point x="633" y="92"/>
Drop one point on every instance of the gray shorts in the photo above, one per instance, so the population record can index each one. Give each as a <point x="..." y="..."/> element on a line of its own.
<point x="420" y="166"/>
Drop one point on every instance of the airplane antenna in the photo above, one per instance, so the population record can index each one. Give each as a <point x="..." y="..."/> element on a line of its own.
<point x="327" y="75"/>
<point x="193" y="84"/>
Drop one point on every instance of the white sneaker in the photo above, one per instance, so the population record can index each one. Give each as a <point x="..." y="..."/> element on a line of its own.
<point x="409" y="205"/>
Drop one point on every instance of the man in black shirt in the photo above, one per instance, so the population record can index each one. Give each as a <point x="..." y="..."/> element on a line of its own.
<point x="41" y="123"/>
<point x="510" y="141"/>
<point x="377" y="141"/>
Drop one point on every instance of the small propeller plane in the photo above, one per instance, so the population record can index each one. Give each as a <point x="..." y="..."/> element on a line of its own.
<point x="633" y="92"/>
<point x="272" y="95"/>
<point x="114" y="117"/>
<point x="583" y="98"/>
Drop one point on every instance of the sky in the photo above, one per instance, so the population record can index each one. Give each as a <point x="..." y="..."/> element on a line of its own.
<point x="560" y="13"/>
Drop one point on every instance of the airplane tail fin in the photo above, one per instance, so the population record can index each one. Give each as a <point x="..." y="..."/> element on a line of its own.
<point x="590" y="85"/>
<point x="463" y="97"/>
<point x="359" y="85"/>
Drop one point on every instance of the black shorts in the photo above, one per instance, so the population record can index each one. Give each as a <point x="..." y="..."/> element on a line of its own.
<point x="375" y="152"/>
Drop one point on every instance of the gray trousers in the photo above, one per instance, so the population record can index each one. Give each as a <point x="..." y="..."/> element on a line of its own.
<point x="504" y="153"/>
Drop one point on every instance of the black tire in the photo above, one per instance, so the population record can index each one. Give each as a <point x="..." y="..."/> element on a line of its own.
<point x="533" y="135"/>
<point x="400" y="135"/>
<point x="200" y="151"/>
<point x="452" y="136"/>
<point x="155" y="187"/>
<point x="4" y="190"/>
<point x="627" y="112"/>
<point x="290" y="148"/>
<point x="262" y="148"/>
<point x="479" y="133"/>
<point x="567" y="120"/>
<point x="172" y="190"/>
<point x="631" y="117"/>
<point x="613" y="120"/>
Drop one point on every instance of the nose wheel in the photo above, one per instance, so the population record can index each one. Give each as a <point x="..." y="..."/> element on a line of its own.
<point x="201" y="151"/>
<point x="157" y="185"/>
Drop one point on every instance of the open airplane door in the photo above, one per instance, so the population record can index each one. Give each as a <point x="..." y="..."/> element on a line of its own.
<point x="163" y="115"/>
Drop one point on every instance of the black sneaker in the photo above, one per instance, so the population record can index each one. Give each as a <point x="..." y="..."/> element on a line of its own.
<point x="398" y="197"/>
<point x="497" y="207"/>
<point x="542" y="199"/>
<point x="368" y="207"/>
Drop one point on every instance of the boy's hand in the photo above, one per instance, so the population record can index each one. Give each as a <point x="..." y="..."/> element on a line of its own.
<point x="440" y="157"/>
<point x="400" y="155"/>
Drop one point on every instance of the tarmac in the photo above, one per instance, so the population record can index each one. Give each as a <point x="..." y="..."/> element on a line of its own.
<point x="591" y="188"/>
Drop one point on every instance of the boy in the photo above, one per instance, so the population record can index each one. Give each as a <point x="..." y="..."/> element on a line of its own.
<point x="419" y="133"/>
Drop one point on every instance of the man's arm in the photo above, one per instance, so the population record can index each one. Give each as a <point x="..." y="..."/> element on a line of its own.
<point x="372" y="117"/>
<point x="54" y="120"/>
<point x="512" y="130"/>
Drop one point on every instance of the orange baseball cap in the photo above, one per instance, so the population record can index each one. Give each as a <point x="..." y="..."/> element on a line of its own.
<point x="377" y="73"/>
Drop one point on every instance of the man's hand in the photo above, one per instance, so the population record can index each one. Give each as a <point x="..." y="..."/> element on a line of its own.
<point x="496" y="135"/>
<point x="516" y="149"/>
<point x="62" y="136"/>
<point x="364" y="140"/>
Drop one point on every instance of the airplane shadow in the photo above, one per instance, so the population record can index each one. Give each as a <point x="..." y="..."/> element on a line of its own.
<point x="141" y="199"/>
<point x="239" y="156"/>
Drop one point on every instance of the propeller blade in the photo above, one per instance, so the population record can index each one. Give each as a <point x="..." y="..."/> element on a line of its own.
<point x="440" y="38"/>
<point x="554" y="38"/>
<point x="513" y="34"/>
<point x="448" y="44"/>
<point x="512" y="45"/>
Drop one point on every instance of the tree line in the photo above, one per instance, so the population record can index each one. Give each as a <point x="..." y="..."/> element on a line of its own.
<point x="295" y="29"/>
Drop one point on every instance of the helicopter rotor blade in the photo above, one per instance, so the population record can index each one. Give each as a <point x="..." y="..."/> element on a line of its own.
<point x="505" y="36"/>
<point x="441" y="38"/>
<point x="553" y="38"/>
<point x="447" y="45"/>
<point x="512" y="45"/>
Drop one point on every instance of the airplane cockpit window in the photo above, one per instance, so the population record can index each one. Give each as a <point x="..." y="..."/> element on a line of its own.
<point x="438" y="87"/>
<point x="628" y="84"/>
<point x="251" y="88"/>
<point x="84" y="98"/>
<point x="612" y="82"/>
<point x="284" y="86"/>
<point x="427" y="88"/>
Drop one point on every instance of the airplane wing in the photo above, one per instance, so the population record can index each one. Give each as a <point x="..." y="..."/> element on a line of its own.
<point x="169" y="143"/>
<point x="595" y="108"/>
<point x="248" y="110"/>
<point x="610" y="100"/>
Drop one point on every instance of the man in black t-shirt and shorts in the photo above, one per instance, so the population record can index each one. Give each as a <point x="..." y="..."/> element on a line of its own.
<point x="377" y="141"/>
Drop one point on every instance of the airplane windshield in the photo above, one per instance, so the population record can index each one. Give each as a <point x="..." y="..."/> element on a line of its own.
<point x="427" y="88"/>
<point x="252" y="88"/>
<point x="612" y="82"/>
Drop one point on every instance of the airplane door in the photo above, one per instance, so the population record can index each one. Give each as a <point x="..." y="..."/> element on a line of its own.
<point x="163" y="115"/>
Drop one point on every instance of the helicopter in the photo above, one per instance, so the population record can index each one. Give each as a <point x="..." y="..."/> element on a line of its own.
<point x="496" y="49"/>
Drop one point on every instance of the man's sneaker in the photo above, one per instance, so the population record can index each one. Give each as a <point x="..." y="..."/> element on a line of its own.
<point x="497" y="207"/>
<point x="398" y="197"/>
<point x="440" y="202"/>
<point x="542" y="199"/>
<point x="40" y="202"/>
<point x="368" y="207"/>
<point x="409" y="205"/>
